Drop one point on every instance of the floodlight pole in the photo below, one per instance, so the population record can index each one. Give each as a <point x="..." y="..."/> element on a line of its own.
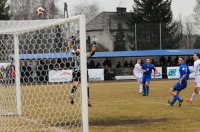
<point x="160" y="36"/>
<point x="136" y="37"/>
<point x="66" y="10"/>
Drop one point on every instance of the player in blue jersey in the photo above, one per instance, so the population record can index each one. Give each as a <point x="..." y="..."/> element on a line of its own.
<point x="182" y="82"/>
<point x="146" y="78"/>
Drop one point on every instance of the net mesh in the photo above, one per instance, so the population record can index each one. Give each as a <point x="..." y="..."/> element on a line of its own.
<point x="45" y="76"/>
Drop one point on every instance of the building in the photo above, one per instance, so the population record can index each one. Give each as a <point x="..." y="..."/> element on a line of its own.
<point x="104" y="26"/>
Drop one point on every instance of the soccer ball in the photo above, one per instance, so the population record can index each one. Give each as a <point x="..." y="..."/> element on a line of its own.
<point x="40" y="11"/>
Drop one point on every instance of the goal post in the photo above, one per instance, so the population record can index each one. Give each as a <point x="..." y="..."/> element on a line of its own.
<point x="17" y="78"/>
<point x="36" y="75"/>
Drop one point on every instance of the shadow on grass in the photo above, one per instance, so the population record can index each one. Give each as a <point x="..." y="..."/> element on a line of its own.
<point x="116" y="122"/>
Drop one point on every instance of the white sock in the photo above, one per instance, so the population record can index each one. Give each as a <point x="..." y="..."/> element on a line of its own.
<point x="193" y="96"/>
<point x="141" y="88"/>
<point x="72" y="95"/>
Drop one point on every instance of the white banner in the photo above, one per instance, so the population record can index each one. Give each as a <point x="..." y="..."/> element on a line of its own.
<point x="4" y="65"/>
<point x="60" y="76"/>
<point x="66" y="75"/>
<point x="173" y="72"/>
<point x="127" y="77"/>
<point x="96" y="74"/>
<point x="158" y="72"/>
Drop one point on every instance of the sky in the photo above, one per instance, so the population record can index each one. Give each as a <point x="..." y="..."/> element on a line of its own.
<point x="179" y="7"/>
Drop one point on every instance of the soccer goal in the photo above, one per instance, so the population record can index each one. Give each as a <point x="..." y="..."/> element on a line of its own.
<point x="36" y="75"/>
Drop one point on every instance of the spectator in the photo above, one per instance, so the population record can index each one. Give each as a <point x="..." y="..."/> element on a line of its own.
<point x="108" y="73"/>
<point x="176" y="61"/>
<point x="156" y="63"/>
<point x="189" y="61"/>
<point x="51" y="65"/>
<point x="131" y="65"/>
<point x="98" y="65"/>
<point x="169" y="61"/>
<point x="107" y="62"/>
<point x="153" y="61"/>
<point x="92" y="64"/>
<point x="88" y="65"/>
<point x="125" y="63"/>
<point x="26" y="73"/>
<point x="163" y="61"/>
<point x="118" y="64"/>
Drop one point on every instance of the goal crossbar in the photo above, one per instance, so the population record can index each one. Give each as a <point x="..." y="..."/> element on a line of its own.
<point x="15" y="27"/>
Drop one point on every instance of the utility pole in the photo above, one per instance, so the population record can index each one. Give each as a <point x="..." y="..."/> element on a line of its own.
<point x="66" y="10"/>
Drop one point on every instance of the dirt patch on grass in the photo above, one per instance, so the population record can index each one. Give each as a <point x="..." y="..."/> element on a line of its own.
<point x="116" y="122"/>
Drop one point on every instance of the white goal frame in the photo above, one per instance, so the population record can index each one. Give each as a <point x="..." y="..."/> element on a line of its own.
<point x="83" y="61"/>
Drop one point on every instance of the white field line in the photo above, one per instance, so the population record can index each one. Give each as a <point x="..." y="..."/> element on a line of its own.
<point x="54" y="129"/>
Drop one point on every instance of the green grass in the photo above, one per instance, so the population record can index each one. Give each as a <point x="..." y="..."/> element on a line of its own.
<point x="117" y="107"/>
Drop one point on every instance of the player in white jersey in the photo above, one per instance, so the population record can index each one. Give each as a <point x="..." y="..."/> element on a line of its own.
<point x="197" y="77"/>
<point x="137" y="72"/>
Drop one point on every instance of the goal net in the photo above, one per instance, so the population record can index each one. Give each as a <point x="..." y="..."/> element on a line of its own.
<point x="36" y="75"/>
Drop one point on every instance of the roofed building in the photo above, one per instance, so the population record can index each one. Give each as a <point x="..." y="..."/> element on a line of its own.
<point x="104" y="26"/>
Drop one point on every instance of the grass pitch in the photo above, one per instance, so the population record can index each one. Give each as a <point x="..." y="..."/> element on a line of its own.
<point x="118" y="107"/>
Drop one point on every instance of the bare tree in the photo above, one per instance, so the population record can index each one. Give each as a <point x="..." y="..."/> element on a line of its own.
<point x="196" y="15"/>
<point x="196" y="10"/>
<point x="189" y="29"/>
<point x="89" y="10"/>
<point x="25" y="9"/>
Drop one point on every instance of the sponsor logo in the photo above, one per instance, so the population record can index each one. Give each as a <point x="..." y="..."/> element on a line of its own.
<point x="172" y="72"/>
<point x="158" y="74"/>
<point x="65" y="73"/>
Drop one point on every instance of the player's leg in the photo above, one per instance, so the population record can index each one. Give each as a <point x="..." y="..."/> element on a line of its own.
<point x="76" y="80"/>
<point x="139" y="79"/>
<point x="143" y="84"/>
<point x="74" y="88"/>
<point x="88" y="90"/>
<point x="196" y="90"/>
<point x="175" y="93"/>
<point x="147" y="85"/>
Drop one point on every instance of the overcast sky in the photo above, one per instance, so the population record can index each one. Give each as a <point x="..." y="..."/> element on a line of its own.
<point x="184" y="7"/>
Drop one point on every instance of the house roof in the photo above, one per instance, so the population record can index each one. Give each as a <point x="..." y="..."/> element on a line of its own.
<point x="108" y="19"/>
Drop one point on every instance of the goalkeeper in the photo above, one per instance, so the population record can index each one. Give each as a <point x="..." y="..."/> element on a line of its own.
<point x="76" y="70"/>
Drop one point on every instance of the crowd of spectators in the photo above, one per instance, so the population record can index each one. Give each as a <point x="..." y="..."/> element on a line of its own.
<point x="7" y="74"/>
<point x="38" y="72"/>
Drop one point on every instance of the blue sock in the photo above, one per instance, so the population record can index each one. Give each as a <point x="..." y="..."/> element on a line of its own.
<point x="177" y="97"/>
<point x="173" y="100"/>
<point x="147" y="88"/>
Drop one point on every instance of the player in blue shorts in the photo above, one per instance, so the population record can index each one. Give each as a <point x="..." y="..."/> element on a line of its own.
<point x="181" y="84"/>
<point x="146" y="78"/>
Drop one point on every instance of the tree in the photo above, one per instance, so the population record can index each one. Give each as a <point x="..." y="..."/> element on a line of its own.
<point x="189" y="27"/>
<point x="119" y="43"/>
<point x="196" y="13"/>
<point x="4" y="10"/>
<point x="151" y="11"/>
<point x="197" y="42"/>
<point x="89" y="10"/>
<point x="25" y="10"/>
<point x="148" y="14"/>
